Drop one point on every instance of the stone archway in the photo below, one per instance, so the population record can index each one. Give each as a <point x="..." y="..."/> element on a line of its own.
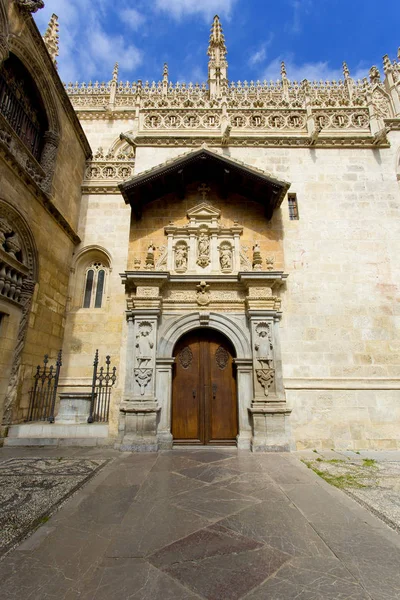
<point x="18" y="276"/>
<point x="204" y="398"/>
<point x="239" y="336"/>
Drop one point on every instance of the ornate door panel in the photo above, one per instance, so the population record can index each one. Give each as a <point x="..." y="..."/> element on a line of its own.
<point x="204" y="407"/>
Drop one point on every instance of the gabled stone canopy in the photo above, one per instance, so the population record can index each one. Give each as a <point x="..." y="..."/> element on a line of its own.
<point x="206" y="166"/>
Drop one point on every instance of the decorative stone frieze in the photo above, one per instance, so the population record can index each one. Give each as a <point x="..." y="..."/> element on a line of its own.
<point x="106" y="170"/>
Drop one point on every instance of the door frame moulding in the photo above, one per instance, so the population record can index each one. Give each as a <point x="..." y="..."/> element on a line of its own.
<point x="170" y="332"/>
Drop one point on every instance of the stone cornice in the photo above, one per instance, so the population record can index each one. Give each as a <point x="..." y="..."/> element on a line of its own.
<point x="266" y="141"/>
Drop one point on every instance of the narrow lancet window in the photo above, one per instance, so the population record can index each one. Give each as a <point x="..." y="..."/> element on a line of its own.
<point x="293" y="207"/>
<point x="88" y="288"/>
<point x="99" y="290"/>
<point x="94" y="286"/>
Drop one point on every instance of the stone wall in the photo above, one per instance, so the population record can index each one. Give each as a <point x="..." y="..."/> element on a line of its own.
<point x="339" y="330"/>
<point x="47" y="196"/>
<point x="340" y="326"/>
<point x="104" y="225"/>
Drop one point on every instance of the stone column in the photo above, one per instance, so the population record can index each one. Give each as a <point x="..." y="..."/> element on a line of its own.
<point x="269" y="412"/>
<point x="244" y="368"/>
<point x="140" y="409"/>
<point x="164" y="368"/>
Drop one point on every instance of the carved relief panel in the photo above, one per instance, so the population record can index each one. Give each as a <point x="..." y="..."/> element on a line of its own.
<point x="263" y="356"/>
<point x="203" y="246"/>
<point x="144" y="356"/>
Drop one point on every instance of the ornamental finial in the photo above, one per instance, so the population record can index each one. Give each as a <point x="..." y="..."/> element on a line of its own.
<point x="50" y="38"/>
<point x="115" y="72"/>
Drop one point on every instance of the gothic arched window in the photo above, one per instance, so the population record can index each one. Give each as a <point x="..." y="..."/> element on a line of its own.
<point x="94" y="285"/>
<point x="21" y="105"/>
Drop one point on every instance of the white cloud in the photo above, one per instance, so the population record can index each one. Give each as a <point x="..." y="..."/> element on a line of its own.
<point x="132" y="18"/>
<point x="260" y="55"/>
<point x="206" y="8"/>
<point x="313" y="71"/>
<point x="77" y="34"/>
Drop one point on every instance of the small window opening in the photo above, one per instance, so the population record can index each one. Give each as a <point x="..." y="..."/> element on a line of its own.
<point x="293" y="207"/>
<point x="94" y="286"/>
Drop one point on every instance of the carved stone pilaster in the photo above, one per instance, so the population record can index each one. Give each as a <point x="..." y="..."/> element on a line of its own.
<point x="10" y="400"/>
<point x="4" y="48"/>
<point x="48" y="159"/>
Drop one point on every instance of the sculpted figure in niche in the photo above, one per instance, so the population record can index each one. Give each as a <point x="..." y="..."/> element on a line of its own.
<point x="181" y="257"/>
<point x="204" y="244"/>
<point x="225" y="258"/>
<point x="144" y="345"/>
<point x="263" y="346"/>
<point x="203" y="249"/>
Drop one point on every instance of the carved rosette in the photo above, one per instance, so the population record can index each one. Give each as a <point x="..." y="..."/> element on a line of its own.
<point x="221" y="358"/>
<point x="186" y="357"/>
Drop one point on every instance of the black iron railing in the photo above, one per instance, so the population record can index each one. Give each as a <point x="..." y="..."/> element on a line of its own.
<point x="102" y="383"/>
<point x="42" y="397"/>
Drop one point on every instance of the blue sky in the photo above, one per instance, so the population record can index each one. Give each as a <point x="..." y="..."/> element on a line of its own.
<point x="314" y="37"/>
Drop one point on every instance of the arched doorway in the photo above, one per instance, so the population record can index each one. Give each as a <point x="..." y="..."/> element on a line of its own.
<point x="204" y="402"/>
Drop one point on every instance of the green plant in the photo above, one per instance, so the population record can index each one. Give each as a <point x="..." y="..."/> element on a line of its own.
<point x="369" y="462"/>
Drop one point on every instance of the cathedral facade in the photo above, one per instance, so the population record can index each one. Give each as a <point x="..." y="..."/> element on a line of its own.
<point x="233" y="246"/>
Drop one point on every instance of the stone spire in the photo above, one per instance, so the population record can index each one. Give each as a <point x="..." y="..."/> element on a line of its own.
<point x="50" y="38"/>
<point x="115" y="73"/>
<point x="217" y="64"/>
<point x="165" y="80"/>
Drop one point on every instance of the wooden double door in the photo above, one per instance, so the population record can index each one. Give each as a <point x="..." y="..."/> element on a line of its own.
<point x="204" y="404"/>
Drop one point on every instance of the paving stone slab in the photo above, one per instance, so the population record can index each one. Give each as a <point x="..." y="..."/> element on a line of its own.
<point x="280" y="526"/>
<point x="166" y="485"/>
<point x="133" y="579"/>
<point x="147" y="527"/>
<point x="228" y="577"/>
<point x="211" y="541"/>
<point x="213" y="502"/>
<point x="212" y="473"/>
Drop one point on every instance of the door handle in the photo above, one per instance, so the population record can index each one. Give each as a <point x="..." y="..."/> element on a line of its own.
<point x="194" y="393"/>
<point x="214" y="390"/>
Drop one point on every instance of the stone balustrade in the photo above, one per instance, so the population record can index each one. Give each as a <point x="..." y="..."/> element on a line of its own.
<point x="12" y="275"/>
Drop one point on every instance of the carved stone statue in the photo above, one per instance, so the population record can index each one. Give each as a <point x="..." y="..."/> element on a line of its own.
<point x="181" y="257"/>
<point x="144" y="345"/>
<point x="225" y="258"/>
<point x="203" y="250"/>
<point x="263" y="345"/>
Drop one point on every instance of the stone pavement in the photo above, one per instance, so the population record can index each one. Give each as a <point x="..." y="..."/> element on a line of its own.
<point x="204" y="523"/>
